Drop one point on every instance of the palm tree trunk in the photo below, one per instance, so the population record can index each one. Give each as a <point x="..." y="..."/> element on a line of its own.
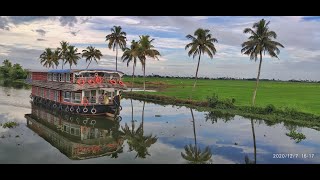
<point x="88" y="64"/>
<point x="254" y="142"/>
<point x="70" y="66"/>
<point x="257" y="82"/>
<point x="196" y="77"/>
<point x="132" y="77"/>
<point x="194" y="128"/>
<point x="117" y="58"/>
<point x="142" y="115"/>
<point x="132" y="122"/>
<point x="144" y="78"/>
<point x="62" y="63"/>
<point x="194" y="133"/>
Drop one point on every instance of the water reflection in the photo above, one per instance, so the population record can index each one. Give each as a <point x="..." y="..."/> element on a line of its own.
<point x="136" y="139"/>
<point x="214" y="116"/>
<point x="77" y="137"/>
<point x="193" y="153"/>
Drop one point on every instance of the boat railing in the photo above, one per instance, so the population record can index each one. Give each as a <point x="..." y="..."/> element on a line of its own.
<point x="94" y="79"/>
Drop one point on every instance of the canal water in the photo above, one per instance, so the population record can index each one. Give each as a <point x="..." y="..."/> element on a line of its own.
<point x="146" y="133"/>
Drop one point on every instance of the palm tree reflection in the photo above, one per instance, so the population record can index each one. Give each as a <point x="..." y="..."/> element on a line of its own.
<point x="193" y="153"/>
<point x="136" y="139"/>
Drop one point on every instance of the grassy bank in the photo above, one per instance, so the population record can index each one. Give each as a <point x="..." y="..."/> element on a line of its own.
<point x="222" y="108"/>
<point x="302" y="97"/>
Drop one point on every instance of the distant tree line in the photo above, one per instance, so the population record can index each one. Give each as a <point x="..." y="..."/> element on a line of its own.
<point x="12" y="72"/>
<point x="225" y="78"/>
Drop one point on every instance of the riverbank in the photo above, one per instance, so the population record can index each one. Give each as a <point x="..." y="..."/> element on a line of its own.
<point x="299" y="96"/>
<point x="225" y="108"/>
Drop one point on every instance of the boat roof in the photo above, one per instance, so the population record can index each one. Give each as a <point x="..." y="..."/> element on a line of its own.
<point x="71" y="70"/>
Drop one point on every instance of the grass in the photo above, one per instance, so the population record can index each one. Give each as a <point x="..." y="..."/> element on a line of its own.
<point x="295" y="95"/>
<point x="10" y="124"/>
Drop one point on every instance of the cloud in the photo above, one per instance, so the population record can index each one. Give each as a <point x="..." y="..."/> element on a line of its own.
<point x="39" y="39"/>
<point x="74" y="33"/>
<point x="41" y="32"/>
<point x="68" y="20"/>
<point x="4" y="23"/>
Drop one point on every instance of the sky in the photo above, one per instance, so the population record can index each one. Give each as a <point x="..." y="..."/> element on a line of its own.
<point x="24" y="38"/>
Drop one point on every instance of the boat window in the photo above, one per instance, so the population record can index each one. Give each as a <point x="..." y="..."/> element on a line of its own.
<point x="76" y="97"/>
<point x="54" y="77"/>
<point x="56" y="96"/>
<point x="77" y="132"/>
<point x="93" y="96"/>
<point x="61" y="77"/>
<point x="49" y="77"/>
<point x="67" y="96"/>
<point x="67" y="77"/>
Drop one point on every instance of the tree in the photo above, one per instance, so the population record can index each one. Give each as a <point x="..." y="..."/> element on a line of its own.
<point x="116" y="39"/>
<point x="72" y="56"/>
<point x="132" y="54"/>
<point x="146" y="50"/>
<point x="193" y="153"/>
<point x="91" y="54"/>
<point x="46" y="58"/>
<point x="5" y="69"/>
<point x="202" y="42"/>
<point x="56" y="57"/>
<point x="63" y="51"/>
<point x="17" y="72"/>
<point x="260" y="41"/>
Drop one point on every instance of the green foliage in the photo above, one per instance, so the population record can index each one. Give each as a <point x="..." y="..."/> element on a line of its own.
<point x="214" y="102"/>
<point x="9" y="72"/>
<point x="10" y="124"/>
<point x="298" y="137"/>
<point x="270" y="109"/>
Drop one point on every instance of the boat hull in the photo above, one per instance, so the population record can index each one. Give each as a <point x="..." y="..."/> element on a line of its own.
<point x="89" y="110"/>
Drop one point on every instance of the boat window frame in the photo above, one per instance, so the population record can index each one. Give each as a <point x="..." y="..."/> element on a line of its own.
<point x="54" y="77"/>
<point x="64" y="96"/>
<point x="69" y="78"/>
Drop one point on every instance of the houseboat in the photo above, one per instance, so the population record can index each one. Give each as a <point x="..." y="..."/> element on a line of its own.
<point x="78" y="137"/>
<point x="79" y="91"/>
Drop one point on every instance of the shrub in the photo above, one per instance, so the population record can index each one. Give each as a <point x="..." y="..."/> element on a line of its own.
<point x="270" y="109"/>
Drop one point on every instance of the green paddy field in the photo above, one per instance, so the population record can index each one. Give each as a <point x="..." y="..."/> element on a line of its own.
<point x="304" y="97"/>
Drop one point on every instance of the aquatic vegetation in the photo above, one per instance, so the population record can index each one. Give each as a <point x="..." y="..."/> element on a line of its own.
<point x="10" y="124"/>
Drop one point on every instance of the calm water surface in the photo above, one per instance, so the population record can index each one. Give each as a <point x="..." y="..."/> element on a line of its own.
<point x="161" y="134"/>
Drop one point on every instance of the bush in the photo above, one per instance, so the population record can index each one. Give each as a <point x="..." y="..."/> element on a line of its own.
<point x="213" y="101"/>
<point x="270" y="109"/>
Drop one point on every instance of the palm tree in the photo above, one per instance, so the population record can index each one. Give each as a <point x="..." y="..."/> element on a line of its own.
<point x="63" y="50"/>
<point x="72" y="56"/>
<point x="193" y="153"/>
<point x="46" y="58"/>
<point x="116" y="39"/>
<point x="260" y="41"/>
<point x="91" y="54"/>
<point x="132" y="54"/>
<point x="56" y="57"/>
<point x="146" y="50"/>
<point x="202" y="42"/>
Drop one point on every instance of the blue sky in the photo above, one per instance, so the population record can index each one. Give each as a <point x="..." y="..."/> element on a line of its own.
<point x="23" y="39"/>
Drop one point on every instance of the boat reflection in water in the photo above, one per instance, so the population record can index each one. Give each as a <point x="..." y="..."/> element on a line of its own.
<point x="77" y="137"/>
